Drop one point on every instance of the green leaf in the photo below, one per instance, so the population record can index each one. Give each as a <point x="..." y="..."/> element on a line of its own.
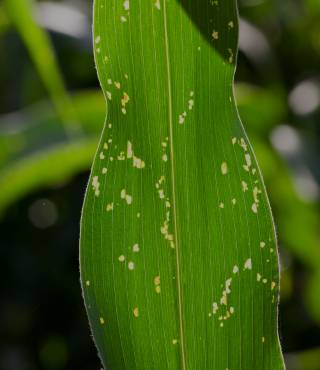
<point x="260" y="109"/>
<point x="44" y="168"/>
<point x="33" y="144"/>
<point x="306" y="360"/>
<point x="42" y="54"/>
<point x="178" y="258"/>
<point x="4" y="21"/>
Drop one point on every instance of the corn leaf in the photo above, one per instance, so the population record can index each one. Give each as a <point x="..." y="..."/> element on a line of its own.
<point x="41" y="52"/>
<point x="178" y="256"/>
<point x="33" y="144"/>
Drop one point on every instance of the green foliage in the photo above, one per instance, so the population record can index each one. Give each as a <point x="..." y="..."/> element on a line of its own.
<point x="39" y="46"/>
<point x="32" y="153"/>
<point x="38" y="150"/>
<point x="178" y="257"/>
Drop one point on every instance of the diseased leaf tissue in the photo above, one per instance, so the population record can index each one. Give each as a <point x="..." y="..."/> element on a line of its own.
<point x="179" y="263"/>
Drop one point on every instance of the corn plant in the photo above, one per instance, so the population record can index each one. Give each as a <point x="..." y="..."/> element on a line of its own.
<point x="178" y="252"/>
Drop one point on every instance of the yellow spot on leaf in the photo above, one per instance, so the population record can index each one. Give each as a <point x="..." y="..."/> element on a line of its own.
<point x="121" y="258"/>
<point x="248" y="264"/>
<point x="215" y="307"/>
<point x="136" y="248"/>
<point x="165" y="157"/>
<point x="244" y="186"/>
<point x="125" y="99"/>
<point x="138" y="163"/>
<point x="215" y="35"/>
<point x="109" y="207"/>
<point x="126" y="5"/>
<point x="129" y="150"/>
<point x="254" y="208"/>
<point x="96" y="185"/>
<point x="157" y="280"/>
<point x="235" y="269"/>
<point x="224" y="168"/>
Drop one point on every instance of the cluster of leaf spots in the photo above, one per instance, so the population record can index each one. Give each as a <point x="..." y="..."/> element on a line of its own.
<point x="162" y="190"/>
<point x="108" y="154"/>
<point x="222" y="304"/>
<point x="122" y="98"/>
<point x="247" y="167"/>
<point x="126" y="154"/>
<point x="220" y="308"/>
<point x="183" y="115"/>
<point x="122" y="258"/>
<point x="215" y="34"/>
<point x="115" y="89"/>
<point x="126" y="11"/>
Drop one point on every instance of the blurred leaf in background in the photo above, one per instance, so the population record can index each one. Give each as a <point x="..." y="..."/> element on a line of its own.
<point x="51" y="113"/>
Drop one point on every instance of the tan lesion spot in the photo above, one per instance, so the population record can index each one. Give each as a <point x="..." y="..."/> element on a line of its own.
<point x="126" y="5"/>
<point x="244" y="186"/>
<point x="157" y="284"/>
<point x="215" y="35"/>
<point x="254" y="207"/>
<point x="125" y="196"/>
<point x="224" y="168"/>
<point x="136" y="312"/>
<point x="109" y="207"/>
<point x="121" y="258"/>
<point x="136" y="248"/>
<point x="96" y="185"/>
<point x="248" y="264"/>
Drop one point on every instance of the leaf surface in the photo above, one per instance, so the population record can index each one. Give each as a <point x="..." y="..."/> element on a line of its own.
<point x="34" y="144"/>
<point x="41" y="52"/>
<point x="178" y="255"/>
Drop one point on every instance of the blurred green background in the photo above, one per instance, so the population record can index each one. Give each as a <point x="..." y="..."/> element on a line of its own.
<point x="51" y="114"/>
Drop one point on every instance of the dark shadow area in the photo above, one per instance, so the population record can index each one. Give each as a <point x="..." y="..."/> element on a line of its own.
<point x="43" y="322"/>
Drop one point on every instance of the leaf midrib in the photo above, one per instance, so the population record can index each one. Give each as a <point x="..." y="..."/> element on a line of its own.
<point x="170" y="114"/>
